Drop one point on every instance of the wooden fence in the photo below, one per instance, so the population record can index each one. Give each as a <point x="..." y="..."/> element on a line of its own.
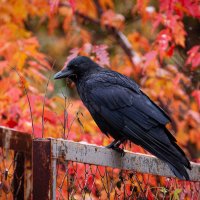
<point x="37" y="160"/>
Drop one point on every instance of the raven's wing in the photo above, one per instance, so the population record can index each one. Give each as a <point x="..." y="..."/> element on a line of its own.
<point x="129" y="113"/>
<point x="117" y="92"/>
<point x="119" y="101"/>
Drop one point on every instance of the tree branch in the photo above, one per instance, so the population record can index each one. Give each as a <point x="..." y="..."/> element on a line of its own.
<point x="99" y="8"/>
<point x="119" y="36"/>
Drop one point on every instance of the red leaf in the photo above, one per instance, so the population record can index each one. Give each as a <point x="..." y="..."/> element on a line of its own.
<point x="90" y="181"/>
<point x="177" y="79"/>
<point x="73" y="53"/>
<point x="37" y="131"/>
<point x="166" y="6"/>
<point x="3" y="66"/>
<point x="72" y="4"/>
<point x="163" y="39"/>
<point x="50" y="117"/>
<point x="54" y="6"/>
<point x="192" y="7"/>
<point x="14" y="93"/>
<point x="101" y="54"/>
<point x="193" y="50"/>
<point x="171" y="50"/>
<point x="113" y="19"/>
<point x="194" y="57"/>
<point x="157" y="21"/>
<point x="11" y="123"/>
<point x="150" y="57"/>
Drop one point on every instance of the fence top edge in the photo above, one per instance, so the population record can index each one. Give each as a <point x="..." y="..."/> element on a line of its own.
<point x="15" y="140"/>
<point x="91" y="154"/>
<point x="61" y="140"/>
<point x="14" y="131"/>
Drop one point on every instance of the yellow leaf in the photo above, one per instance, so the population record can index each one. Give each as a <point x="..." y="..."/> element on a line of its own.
<point x="19" y="60"/>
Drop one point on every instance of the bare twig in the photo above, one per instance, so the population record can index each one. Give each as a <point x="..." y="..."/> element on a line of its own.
<point x="65" y="124"/>
<point x="45" y="94"/>
<point x="65" y="117"/>
<point x="98" y="7"/>
<point x="123" y="42"/>
<point x="65" y="120"/>
<point x="70" y="126"/>
<point x="29" y="103"/>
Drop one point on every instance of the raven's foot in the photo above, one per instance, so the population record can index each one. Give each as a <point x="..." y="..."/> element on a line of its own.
<point x="115" y="146"/>
<point x="115" y="143"/>
<point x="112" y="144"/>
<point x="119" y="150"/>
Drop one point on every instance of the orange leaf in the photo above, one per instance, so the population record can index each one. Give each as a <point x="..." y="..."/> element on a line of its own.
<point x="196" y="95"/>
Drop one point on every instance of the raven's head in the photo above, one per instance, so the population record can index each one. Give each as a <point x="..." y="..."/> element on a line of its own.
<point x="77" y="68"/>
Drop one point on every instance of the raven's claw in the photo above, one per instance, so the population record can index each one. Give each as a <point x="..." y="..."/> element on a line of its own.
<point x="115" y="146"/>
<point x="111" y="145"/>
<point x="119" y="150"/>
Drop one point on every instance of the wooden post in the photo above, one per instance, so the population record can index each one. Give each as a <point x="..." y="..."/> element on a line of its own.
<point x="43" y="173"/>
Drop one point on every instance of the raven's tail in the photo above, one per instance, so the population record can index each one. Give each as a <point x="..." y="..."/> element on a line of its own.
<point x="159" y="142"/>
<point x="179" y="171"/>
<point x="170" y="152"/>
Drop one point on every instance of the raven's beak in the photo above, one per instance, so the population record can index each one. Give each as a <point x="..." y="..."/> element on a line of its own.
<point x="63" y="74"/>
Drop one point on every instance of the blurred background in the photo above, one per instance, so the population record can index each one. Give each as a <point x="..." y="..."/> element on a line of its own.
<point x="156" y="43"/>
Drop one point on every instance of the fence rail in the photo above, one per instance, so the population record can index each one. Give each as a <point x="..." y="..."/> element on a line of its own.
<point x="98" y="155"/>
<point x="15" y="140"/>
<point x="43" y="167"/>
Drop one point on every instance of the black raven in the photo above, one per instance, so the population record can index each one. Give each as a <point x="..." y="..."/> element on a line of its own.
<point x="124" y="112"/>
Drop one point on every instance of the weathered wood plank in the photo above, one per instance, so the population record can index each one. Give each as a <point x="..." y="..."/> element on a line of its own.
<point x="97" y="155"/>
<point x="15" y="140"/>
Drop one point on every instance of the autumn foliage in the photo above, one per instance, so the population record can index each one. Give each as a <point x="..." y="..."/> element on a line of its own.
<point x="154" y="42"/>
